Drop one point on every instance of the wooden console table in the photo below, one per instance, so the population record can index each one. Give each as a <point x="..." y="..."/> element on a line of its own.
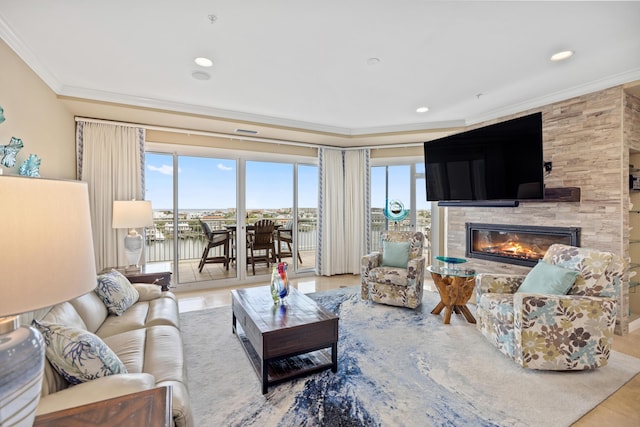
<point x="151" y="408"/>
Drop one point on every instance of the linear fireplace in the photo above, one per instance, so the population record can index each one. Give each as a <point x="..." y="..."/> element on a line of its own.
<point x="516" y="244"/>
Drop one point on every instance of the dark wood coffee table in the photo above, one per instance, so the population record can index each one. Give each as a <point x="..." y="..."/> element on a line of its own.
<point x="284" y="341"/>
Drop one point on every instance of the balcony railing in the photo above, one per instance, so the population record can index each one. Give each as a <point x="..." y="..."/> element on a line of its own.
<point x="191" y="238"/>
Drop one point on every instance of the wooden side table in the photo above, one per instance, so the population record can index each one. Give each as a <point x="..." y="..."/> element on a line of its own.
<point x="155" y="273"/>
<point x="146" y="408"/>
<point x="455" y="287"/>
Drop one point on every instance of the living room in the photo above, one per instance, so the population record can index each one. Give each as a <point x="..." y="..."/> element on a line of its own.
<point x="588" y="138"/>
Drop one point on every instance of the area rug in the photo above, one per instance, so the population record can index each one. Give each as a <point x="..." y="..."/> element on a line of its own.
<point x="396" y="367"/>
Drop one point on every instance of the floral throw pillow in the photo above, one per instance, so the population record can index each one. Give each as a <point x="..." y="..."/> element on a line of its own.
<point x="117" y="293"/>
<point x="78" y="355"/>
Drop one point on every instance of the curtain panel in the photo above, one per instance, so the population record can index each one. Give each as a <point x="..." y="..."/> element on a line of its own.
<point x="110" y="158"/>
<point x="344" y="210"/>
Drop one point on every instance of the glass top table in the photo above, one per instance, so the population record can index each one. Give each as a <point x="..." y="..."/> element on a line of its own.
<point x="455" y="286"/>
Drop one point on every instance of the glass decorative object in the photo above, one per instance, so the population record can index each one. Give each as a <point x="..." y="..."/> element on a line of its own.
<point x="31" y="166"/>
<point x="8" y="152"/>
<point x="451" y="263"/>
<point x="279" y="283"/>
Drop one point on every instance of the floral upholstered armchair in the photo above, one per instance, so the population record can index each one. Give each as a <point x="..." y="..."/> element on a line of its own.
<point x="395" y="275"/>
<point x="567" y="326"/>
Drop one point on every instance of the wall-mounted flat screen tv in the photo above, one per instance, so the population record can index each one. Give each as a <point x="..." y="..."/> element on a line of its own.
<point x="502" y="161"/>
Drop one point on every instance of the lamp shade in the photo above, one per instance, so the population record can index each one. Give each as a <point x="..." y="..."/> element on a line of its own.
<point x="47" y="254"/>
<point x="132" y="214"/>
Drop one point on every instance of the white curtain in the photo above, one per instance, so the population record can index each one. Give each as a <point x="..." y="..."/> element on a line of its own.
<point x="110" y="158"/>
<point x="344" y="210"/>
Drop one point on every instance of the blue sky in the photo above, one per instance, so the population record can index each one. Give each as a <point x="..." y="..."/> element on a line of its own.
<point x="209" y="183"/>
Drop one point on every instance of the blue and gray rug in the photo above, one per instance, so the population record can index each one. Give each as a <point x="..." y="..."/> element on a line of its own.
<point x="396" y="367"/>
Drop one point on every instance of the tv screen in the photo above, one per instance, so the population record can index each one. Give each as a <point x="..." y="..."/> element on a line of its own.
<point x="502" y="161"/>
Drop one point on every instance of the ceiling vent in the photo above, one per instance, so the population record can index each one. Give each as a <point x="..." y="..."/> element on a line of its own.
<point x="247" y="131"/>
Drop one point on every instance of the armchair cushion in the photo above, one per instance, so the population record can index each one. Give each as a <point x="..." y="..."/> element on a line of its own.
<point x="548" y="279"/>
<point x="117" y="293"/>
<point x="78" y="355"/>
<point x="395" y="254"/>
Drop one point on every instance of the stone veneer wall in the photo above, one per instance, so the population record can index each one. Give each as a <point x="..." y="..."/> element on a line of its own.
<point x="583" y="137"/>
<point x="631" y="137"/>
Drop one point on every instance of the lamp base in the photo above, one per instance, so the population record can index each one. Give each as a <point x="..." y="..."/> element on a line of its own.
<point x="133" y="248"/>
<point x="21" y="370"/>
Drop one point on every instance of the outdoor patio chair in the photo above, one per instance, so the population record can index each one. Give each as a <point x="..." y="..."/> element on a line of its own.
<point x="260" y="244"/>
<point x="285" y="235"/>
<point x="214" y="239"/>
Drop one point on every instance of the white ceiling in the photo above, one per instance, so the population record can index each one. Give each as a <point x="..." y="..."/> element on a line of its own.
<point x="304" y="64"/>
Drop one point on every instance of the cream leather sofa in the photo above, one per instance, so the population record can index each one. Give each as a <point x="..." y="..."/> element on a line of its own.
<point x="146" y="338"/>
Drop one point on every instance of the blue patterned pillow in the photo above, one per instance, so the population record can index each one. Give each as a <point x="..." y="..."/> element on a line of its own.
<point x="78" y="355"/>
<point x="117" y="293"/>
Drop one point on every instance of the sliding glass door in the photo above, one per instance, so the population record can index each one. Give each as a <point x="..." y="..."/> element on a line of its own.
<point x="191" y="196"/>
<point x="307" y="215"/>
<point x="403" y="183"/>
<point x="268" y="195"/>
<point x="228" y="196"/>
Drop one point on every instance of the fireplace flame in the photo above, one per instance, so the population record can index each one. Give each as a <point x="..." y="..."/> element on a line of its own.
<point x="513" y="248"/>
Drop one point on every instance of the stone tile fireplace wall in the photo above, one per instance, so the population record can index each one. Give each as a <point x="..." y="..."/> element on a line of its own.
<point x="583" y="138"/>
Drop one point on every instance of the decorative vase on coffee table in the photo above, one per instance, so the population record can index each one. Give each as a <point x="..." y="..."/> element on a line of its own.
<point x="279" y="283"/>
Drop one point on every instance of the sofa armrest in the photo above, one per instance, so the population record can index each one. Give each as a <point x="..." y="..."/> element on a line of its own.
<point x="563" y="332"/>
<point x="150" y="292"/>
<point x="94" y="391"/>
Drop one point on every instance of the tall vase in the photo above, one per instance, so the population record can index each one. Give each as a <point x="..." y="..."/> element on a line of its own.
<point x="279" y="283"/>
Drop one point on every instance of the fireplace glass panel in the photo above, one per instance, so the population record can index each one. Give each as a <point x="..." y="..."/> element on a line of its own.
<point x="523" y="245"/>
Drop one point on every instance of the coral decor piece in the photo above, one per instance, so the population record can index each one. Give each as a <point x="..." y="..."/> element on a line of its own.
<point x="9" y="151"/>
<point x="31" y="166"/>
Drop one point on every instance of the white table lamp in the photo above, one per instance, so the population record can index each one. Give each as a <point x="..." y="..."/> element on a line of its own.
<point x="132" y="214"/>
<point x="46" y="257"/>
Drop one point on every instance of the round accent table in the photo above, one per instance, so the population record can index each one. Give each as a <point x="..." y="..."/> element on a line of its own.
<point x="455" y="286"/>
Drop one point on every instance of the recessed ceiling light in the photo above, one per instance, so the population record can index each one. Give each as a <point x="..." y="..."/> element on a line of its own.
<point x="422" y="109"/>
<point x="373" y="61"/>
<point x="203" y="62"/>
<point x="565" y="54"/>
<point x="200" y="75"/>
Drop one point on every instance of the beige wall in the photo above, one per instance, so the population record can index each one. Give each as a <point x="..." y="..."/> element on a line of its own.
<point x="34" y="114"/>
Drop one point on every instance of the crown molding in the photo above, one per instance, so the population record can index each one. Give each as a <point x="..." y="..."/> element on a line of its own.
<point x="572" y="92"/>
<point x="24" y="52"/>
